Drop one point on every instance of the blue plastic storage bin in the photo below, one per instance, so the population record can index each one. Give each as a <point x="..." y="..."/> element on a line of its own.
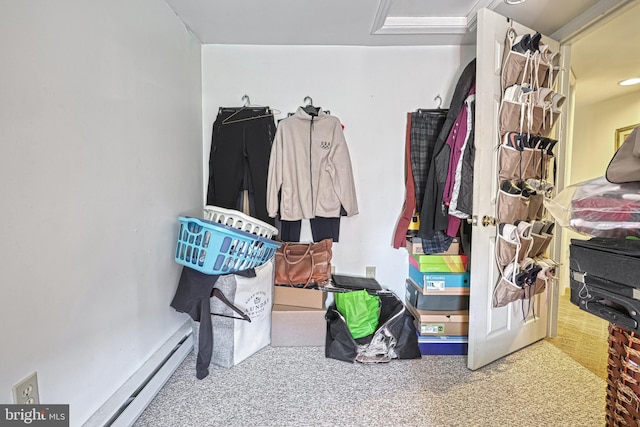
<point x="214" y="248"/>
<point x="443" y="345"/>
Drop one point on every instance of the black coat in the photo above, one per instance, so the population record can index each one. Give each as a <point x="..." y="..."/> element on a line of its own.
<point x="434" y="215"/>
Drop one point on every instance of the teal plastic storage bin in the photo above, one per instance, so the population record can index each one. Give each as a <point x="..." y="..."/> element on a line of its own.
<point x="439" y="281"/>
<point x="214" y="248"/>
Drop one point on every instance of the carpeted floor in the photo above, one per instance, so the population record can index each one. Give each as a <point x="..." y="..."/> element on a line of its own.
<point x="297" y="386"/>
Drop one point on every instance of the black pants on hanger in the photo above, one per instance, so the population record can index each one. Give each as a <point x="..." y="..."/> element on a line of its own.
<point x="239" y="159"/>
<point x="321" y="228"/>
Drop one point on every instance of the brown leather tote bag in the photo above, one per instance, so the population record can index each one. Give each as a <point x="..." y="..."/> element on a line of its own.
<point x="303" y="263"/>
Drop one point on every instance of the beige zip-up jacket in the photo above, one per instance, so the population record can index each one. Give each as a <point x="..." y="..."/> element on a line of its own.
<point x="311" y="169"/>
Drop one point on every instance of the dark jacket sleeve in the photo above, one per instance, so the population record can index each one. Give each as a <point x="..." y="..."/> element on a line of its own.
<point x="433" y="215"/>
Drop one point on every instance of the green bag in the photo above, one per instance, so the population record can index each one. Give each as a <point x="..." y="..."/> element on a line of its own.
<point x="361" y="311"/>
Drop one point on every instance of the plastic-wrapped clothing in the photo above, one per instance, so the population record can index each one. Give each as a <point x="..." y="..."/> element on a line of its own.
<point x="598" y="208"/>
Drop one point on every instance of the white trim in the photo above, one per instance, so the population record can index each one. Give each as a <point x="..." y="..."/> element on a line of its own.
<point x="128" y="402"/>
<point x="423" y="25"/>
<point x="472" y="15"/>
<point x="578" y="26"/>
<point x="381" y="15"/>
<point x="384" y="24"/>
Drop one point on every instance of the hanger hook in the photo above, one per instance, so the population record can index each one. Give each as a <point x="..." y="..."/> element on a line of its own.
<point x="439" y="99"/>
<point x="308" y="100"/>
<point x="246" y="100"/>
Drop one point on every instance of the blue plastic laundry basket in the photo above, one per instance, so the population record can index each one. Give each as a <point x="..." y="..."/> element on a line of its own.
<point x="214" y="248"/>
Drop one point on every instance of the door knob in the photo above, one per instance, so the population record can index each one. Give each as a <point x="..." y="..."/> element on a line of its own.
<point x="488" y="220"/>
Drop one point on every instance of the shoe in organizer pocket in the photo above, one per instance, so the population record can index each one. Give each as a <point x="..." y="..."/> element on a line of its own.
<point x="511" y="163"/>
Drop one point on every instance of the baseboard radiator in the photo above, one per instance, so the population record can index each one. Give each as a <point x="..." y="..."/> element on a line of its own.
<point x="125" y="406"/>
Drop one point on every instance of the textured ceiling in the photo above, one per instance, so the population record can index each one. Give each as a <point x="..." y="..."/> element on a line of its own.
<point x="600" y="58"/>
<point x="338" y="22"/>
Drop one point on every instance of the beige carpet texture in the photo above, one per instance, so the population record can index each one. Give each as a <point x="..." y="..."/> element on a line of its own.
<point x="297" y="386"/>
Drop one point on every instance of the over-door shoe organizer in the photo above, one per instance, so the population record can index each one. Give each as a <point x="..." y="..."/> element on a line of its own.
<point x="528" y="112"/>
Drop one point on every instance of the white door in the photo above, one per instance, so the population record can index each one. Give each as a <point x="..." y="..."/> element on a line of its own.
<point x="494" y="332"/>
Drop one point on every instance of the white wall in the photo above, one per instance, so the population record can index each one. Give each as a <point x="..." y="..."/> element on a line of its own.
<point x="594" y="132"/>
<point x="100" y="150"/>
<point x="370" y="90"/>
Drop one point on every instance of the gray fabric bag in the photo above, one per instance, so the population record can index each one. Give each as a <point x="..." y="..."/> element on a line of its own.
<point x="235" y="339"/>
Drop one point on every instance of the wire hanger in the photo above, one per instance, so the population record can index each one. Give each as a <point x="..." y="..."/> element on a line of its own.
<point x="270" y="112"/>
<point x="309" y="107"/>
<point x="432" y="110"/>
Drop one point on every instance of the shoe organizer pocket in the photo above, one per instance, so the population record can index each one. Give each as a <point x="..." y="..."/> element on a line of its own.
<point x="505" y="252"/>
<point x="546" y="82"/>
<point x="514" y="117"/>
<point x="537" y="121"/>
<point x="535" y="207"/>
<point x="512" y="207"/>
<point x="511" y="163"/>
<point x="546" y="243"/>
<point x="538" y="241"/>
<point x="539" y="165"/>
<point x="513" y="69"/>
<point x="533" y="169"/>
<point x="546" y="165"/>
<point x="506" y="292"/>
<point x="519" y="68"/>
<point x="541" y="210"/>
<point x="525" y="248"/>
<point x="510" y="117"/>
<point x="550" y="119"/>
<point x="536" y="288"/>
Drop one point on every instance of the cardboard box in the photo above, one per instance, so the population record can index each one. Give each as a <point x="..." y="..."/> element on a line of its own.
<point x="440" y="283"/>
<point x="431" y="322"/>
<point x="440" y="263"/>
<point x="415" y="297"/>
<point x="414" y="246"/>
<point x="444" y="345"/>
<point x="297" y="326"/>
<point x="299" y="297"/>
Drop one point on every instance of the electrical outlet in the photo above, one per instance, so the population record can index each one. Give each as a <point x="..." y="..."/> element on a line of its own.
<point x="371" y="272"/>
<point x="26" y="391"/>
